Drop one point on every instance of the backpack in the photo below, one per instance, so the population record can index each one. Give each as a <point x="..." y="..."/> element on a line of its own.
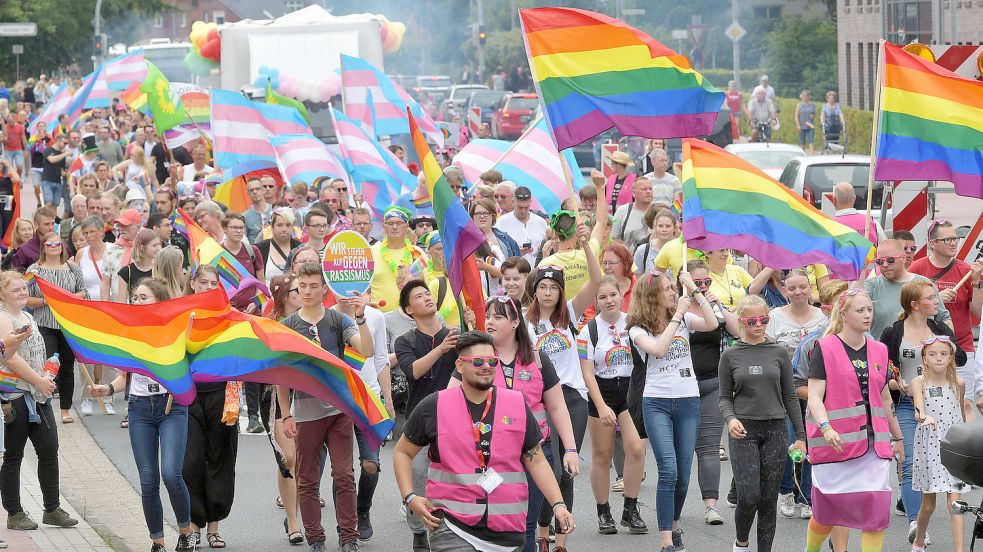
<point x="636" y="385"/>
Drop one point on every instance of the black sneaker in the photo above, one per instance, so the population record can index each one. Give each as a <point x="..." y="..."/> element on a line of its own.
<point x="185" y="543"/>
<point x="420" y="542"/>
<point x="364" y="526"/>
<point x="899" y="508"/>
<point x="157" y="548"/>
<point x="254" y="426"/>
<point x="605" y="523"/>
<point x="677" y="541"/>
<point x="631" y="519"/>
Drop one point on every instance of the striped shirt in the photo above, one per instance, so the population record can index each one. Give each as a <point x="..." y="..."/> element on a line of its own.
<point x="69" y="279"/>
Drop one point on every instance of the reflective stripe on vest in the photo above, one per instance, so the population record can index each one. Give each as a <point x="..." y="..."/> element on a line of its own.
<point x="453" y="482"/>
<point x="845" y="407"/>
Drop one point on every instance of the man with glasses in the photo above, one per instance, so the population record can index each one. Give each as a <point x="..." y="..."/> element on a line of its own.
<point x="389" y="255"/>
<point x="316" y="227"/>
<point x="885" y="289"/>
<point x="259" y="214"/>
<point x="269" y="189"/>
<point x="505" y="196"/>
<point x="362" y="223"/>
<point x="313" y="423"/>
<point x="455" y="179"/>
<point x="844" y="199"/>
<point x="330" y="196"/>
<point x="963" y="303"/>
<point x="527" y="229"/>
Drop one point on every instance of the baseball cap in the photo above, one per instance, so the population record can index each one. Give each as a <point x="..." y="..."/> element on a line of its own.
<point x="128" y="217"/>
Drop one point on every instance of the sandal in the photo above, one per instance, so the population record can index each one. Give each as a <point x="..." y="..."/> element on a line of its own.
<point x="125" y="423"/>
<point x="68" y="419"/>
<point x="296" y="537"/>
<point x="723" y="454"/>
<point x="214" y="540"/>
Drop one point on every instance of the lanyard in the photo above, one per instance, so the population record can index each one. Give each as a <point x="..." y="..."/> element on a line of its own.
<point x="476" y="432"/>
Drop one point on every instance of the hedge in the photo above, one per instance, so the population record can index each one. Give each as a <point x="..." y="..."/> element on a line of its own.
<point x="858" y="126"/>
<point x="720" y="77"/>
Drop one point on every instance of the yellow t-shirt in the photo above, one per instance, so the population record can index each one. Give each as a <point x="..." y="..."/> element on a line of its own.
<point x="447" y="309"/>
<point x="670" y="257"/>
<point x="814" y="272"/>
<point x="730" y="286"/>
<point x="574" y="265"/>
<point x="383" y="285"/>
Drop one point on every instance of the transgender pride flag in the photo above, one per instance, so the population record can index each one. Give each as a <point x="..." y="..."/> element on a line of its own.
<point x="372" y="96"/>
<point x="55" y="106"/>
<point x="242" y="128"/>
<point x="126" y="69"/>
<point x="533" y="162"/>
<point x="99" y="92"/>
<point x="304" y="158"/>
<point x="81" y="97"/>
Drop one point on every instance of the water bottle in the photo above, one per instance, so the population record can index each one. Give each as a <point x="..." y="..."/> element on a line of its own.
<point x="52" y="365"/>
<point x="718" y="313"/>
<point x="795" y="455"/>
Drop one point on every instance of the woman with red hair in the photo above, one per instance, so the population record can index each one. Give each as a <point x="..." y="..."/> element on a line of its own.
<point x="616" y="262"/>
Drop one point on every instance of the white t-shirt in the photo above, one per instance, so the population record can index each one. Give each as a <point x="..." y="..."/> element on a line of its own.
<point x="143" y="386"/>
<point x="189" y="172"/>
<point x="532" y="231"/>
<point x="611" y="357"/>
<point x="370" y="371"/>
<point x="558" y="344"/>
<point x="788" y="332"/>
<point x="670" y="376"/>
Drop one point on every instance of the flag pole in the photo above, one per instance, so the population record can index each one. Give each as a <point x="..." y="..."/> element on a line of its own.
<point x="873" y="135"/>
<point x="509" y="150"/>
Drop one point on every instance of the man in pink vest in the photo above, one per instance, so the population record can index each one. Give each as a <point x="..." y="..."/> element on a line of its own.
<point x="844" y="199"/>
<point x="476" y="499"/>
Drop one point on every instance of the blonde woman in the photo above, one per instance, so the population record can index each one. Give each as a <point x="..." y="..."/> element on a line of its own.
<point x="146" y="245"/>
<point x="23" y="232"/>
<point x="168" y="268"/>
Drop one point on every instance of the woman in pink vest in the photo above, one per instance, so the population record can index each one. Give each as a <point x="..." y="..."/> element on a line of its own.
<point x="619" y="185"/>
<point x="851" y="428"/>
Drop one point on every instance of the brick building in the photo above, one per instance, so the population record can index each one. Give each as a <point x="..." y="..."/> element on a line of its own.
<point x="176" y="25"/>
<point x="862" y="23"/>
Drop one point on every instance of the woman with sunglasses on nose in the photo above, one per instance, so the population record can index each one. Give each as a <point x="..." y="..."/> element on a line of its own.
<point x="552" y="327"/>
<point x="851" y="428"/>
<point x="705" y="349"/>
<point x="756" y="397"/>
<point x="605" y="358"/>
<point x="616" y="262"/>
<point x="659" y="326"/>
<point x="521" y="370"/>
<point x="903" y="339"/>
<point x="54" y="267"/>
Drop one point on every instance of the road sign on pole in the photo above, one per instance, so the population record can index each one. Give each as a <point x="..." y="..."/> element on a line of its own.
<point x="28" y="28"/>
<point x="17" y="50"/>
<point x="696" y="33"/>
<point x="735" y="31"/>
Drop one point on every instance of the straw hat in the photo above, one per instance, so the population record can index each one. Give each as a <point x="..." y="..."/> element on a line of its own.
<point x="622" y="158"/>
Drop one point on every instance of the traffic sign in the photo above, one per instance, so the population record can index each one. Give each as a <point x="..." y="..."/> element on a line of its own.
<point x="696" y="33"/>
<point x="633" y="11"/>
<point x="735" y="32"/>
<point x="680" y="34"/>
<point x="29" y="28"/>
<point x="17" y="49"/>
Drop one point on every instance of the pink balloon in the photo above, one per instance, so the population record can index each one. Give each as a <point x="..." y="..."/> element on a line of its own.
<point x="333" y="82"/>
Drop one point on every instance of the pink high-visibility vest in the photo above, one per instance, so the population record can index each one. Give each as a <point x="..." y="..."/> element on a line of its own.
<point x="528" y="380"/>
<point x="856" y="221"/>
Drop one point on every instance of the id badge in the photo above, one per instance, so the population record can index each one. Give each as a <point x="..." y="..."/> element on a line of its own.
<point x="685" y="373"/>
<point x="490" y="480"/>
<point x="755" y="370"/>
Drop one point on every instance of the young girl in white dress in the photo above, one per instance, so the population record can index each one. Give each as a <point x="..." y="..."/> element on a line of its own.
<point x="938" y="394"/>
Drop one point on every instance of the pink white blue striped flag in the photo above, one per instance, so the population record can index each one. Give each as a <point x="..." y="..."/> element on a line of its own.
<point x="533" y="162"/>
<point x="242" y="128"/>
<point x="123" y="70"/>
<point x="182" y="134"/>
<point x="377" y="174"/>
<point x="303" y="158"/>
<point x="55" y="106"/>
<point x="99" y="94"/>
<point x="81" y="97"/>
<point x="371" y="95"/>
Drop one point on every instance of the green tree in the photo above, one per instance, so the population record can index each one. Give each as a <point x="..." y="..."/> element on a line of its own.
<point x="65" y="32"/>
<point x="801" y="53"/>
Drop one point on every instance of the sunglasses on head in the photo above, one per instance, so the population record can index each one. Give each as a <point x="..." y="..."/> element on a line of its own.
<point x="753" y="321"/>
<point x="478" y="362"/>
<point x="502" y="299"/>
<point x="881" y="261"/>
<point x="850" y="293"/>
<point x="934" y="338"/>
<point x="935" y="224"/>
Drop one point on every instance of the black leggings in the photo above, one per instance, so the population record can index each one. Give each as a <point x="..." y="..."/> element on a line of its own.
<point x="760" y="459"/>
<point x="44" y="438"/>
<point x="55" y="342"/>
<point x="577" y="407"/>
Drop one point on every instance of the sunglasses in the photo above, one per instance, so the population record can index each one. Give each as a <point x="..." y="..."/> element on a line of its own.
<point x="938" y="338"/>
<point x="294" y="290"/>
<point x="502" y="299"/>
<point x="523" y="197"/>
<point x="753" y="321"/>
<point x="502" y="196"/>
<point x="935" y="224"/>
<point x="703" y="282"/>
<point x="910" y="248"/>
<point x="53" y="244"/>
<point x="850" y="293"/>
<point x="881" y="261"/>
<point x="269" y="186"/>
<point x="478" y="362"/>
<point x="343" y="190"/>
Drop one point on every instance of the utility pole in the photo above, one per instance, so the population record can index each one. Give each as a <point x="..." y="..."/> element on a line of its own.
<point x="97" y="25"/>
<point x="481" y="44"/>
<point x="737" y="45"/>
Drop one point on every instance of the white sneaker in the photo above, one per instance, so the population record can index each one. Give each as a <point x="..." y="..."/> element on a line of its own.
<point x="912" y="528"/>
<point x="742" y="548"/>
<point x="805" y="511"/>
<point x="86" y="408"/>
<point x="786" y="505"/>
<point x="110" y="410"/>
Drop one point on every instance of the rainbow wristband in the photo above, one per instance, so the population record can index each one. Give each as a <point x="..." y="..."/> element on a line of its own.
<point x="824" y="426"/>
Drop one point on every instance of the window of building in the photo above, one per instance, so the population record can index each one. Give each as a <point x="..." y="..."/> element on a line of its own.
<point x="219" y="17"/>
<point x="206" y="17"/>
<point x="860" y="74"/>
<point x="909" y="20"/>
<point x="849" y="76"/>
<point x="871" y="74"/>
<point x="158" y="21"/>
<point x="294" y="5"/>
<point x="184" y="20"/>
<point x="767" y="12"/>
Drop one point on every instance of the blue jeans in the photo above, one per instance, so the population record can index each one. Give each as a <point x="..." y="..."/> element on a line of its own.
<point x="805" y="481"/>
<point x="535" y="503"/>
<point x="51" y="192"/>
<point x="672" y="426"/>
<point x="905" y="411"/>
<point x="152" y="431"/>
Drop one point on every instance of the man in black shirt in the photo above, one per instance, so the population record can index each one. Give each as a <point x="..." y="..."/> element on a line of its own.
<point x="477" y="364"/>
<point x="53" y="170"/>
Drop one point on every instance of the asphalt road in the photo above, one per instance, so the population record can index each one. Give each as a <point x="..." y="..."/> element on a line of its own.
<point x="256" y="523"/>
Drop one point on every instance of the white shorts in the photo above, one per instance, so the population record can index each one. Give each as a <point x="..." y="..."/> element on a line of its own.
<point x="968" y="373"/>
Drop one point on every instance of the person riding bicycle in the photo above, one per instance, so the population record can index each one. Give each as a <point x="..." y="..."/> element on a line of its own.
<point x="761" y="115"/>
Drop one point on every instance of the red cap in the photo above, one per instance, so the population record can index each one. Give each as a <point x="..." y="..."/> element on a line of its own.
<point x="128" y="218"/>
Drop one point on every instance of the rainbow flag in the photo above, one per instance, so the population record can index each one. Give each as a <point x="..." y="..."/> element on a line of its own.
<point x="594" y="72"/>
<point x="134" y="98"/>
<point x="930" y="124"/>
<point x="354" y="358"/>
<point x="677" y="206"/>
<point x="460" y="235"/>
<point x="727" y="202"/>
<point x="197" y="103"/>
<point x="177" y="223"/>
<point x="143" y="339"/>
<point x="241" y="347"/>
<point x="8" y="382"/>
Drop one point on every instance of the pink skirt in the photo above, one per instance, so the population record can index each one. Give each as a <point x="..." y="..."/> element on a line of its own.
<point x="855" y="493"/>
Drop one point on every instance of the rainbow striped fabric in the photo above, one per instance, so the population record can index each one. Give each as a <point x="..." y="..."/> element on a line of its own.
<point x="126" y="69"/>
<point x="8" y="382"/>
<point x="242" y="128"/>
<point x="532" y="162"/>
<point x="373" y="97"/>
<point x="931" y="124"/>
<point x="594" y="72"/>
<point x="354" y="358"/>
<point x="303" y="158"/>
<point x="727" y="202"/>
<point x="59" y="101"/>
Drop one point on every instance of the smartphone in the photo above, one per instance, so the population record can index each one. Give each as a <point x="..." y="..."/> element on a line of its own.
<point x="22" y="329"/>
<point x="527" y="245"/>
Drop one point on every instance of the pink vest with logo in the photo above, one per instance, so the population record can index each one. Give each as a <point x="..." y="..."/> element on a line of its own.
<point x="625" y="194"/>
<point x="528" y="380"/>
<point x="856" y="221"/>
<point x="454" y="483"/>
<point x="845" y="406"/>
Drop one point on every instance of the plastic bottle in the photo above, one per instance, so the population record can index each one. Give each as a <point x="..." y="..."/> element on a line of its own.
<point x="796" y="455"/>
<point x="52" y="365"/>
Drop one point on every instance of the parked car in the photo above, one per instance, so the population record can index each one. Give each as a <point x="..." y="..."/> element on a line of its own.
<point x="511" y="119"/>
<point x="771" y="158"/>
<point x="489" y="101"/>
<point x="437" y="86"/>
<point x="456" y="97"/>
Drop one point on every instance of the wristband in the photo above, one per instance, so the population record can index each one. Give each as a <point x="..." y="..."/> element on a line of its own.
<point x="898" y="440"/>
<point x="573" y="450"/>
<point x="409" y="498"/>
<point x="285" y="418"/>
<point x="3" y="350"/>
<point x="824" y="426"/>
<point x="560" y="503"/>
<point x="112" y="389"/>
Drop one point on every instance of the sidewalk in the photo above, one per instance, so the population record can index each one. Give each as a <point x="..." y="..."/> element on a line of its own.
<point x="93" y="491"/>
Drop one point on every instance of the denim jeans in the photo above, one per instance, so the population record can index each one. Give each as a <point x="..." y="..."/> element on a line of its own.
<point x="153" y="432"/>
<point x="905" y="411"/>
<point x="367" y="482"/>
<point x="672" y="425"/>
<point x="805" y="479"/>
<point x="535" y="503"/>
<point x="51" y="192"/>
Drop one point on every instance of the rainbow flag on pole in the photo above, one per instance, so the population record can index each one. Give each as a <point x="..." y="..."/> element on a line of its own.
<point x="594" y="72"/>
<point x="727" y="202"/>
<point x="930" y="124"/>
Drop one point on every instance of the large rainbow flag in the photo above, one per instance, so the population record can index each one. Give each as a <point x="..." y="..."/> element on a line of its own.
<point x="727" y="202"/>
<point x="594" y="72"/>
<point x="931" y="124"/>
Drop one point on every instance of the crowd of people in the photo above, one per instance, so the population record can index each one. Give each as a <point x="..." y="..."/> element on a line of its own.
<point x="598" y="320"/>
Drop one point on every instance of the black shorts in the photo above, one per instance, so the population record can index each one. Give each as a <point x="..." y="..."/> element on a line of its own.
<point x="614" y="391"/>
